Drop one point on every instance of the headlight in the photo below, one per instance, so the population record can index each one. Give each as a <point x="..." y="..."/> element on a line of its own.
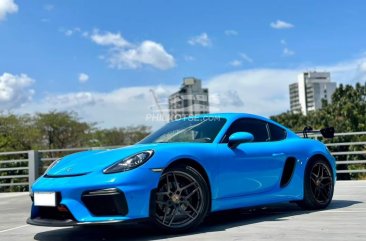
<point x="52" y="165"/>
<point x="130" y="162"/>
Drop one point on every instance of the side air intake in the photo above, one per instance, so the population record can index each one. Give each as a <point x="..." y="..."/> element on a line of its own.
<point x="288" y="171"/>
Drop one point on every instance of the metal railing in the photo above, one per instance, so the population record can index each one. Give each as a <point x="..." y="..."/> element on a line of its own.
<point x="346" y="159"/>
<point x="18" y="170"/>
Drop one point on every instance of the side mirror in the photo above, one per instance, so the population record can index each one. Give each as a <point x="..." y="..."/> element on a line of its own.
<point x="238" y="138"/>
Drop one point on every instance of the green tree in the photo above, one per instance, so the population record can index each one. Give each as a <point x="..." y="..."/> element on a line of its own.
<point x="346" y="113"/>
<point x="18" y="133"/>
<point x="63" y="130"/>
<point x="121" y="136"/>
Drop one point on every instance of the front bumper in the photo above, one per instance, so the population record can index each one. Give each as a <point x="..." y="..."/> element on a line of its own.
<point x="69" y="222"/>
<point x="96" y="198"/>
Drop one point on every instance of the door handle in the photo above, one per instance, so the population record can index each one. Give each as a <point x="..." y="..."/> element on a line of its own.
<point x="278" y="154"/>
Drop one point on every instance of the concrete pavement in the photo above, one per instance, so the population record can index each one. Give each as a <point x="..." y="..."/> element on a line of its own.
<point x="345" y="219"/>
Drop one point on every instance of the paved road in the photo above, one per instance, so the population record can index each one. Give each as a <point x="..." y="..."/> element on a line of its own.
<point x="345" y="219"/>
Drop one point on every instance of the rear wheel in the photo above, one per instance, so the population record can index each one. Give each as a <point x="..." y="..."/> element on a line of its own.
<point x="182" y="200"/>
<point x="318" y="184"/>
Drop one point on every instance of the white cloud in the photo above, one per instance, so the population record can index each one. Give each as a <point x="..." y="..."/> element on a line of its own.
<point x="265" y="91"/>
<point x="147" y="53"/>
<point x="246" y="57"/>
<point x="279" y="24"/>
<point x="201" y="39"/>
<point x="243" y="56"/>
<point x="223" y="99"/>
<point x="288" y="52"/>
<point x="110" y="39"/>
<point x="362" y="67"/>
<point x="283" y="42"/>
<point x="235" y="63"/>
<point x="362" y="71"/>
<point x="83" y="78"/>
<point x="70" y="32"/>
<point x="189" y="58"/>
<point x="72" y="100"/>
<point x="7" y="7"/>
<point x="124" y="55"/>
<point x="118" y="108"/>
<point x="231" y="32"/>
<point x="49" y="7"/>
<point x="258" y="91"/>
<point x="15" y="90"/>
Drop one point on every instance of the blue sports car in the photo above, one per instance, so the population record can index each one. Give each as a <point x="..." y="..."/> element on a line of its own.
<point x="185" y="170"/>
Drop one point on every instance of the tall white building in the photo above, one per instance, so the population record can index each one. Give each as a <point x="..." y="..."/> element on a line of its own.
<point x="309" y="91"/>
<point x="191" y="99"/>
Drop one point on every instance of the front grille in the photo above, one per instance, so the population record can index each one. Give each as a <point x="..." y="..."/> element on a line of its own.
<point x="105" y="202"/>
<point x="60" y="212"/>
<point x="55" y="213"/>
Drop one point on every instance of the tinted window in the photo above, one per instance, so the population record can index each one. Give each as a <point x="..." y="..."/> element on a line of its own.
<point x="257" y="128"/>
<point x="277" y="133"/>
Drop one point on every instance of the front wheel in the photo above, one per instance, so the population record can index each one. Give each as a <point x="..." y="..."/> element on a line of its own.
<point x="318" y="185"/>
<point x="182" y="200"/>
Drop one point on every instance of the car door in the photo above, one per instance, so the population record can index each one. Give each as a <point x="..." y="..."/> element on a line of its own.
<point x="252" y="167"/>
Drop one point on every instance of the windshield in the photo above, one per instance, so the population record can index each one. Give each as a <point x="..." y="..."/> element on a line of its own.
<point x="187" y="130"/>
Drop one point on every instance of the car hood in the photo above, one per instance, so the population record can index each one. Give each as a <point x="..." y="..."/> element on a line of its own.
<point x="96" y="160"/>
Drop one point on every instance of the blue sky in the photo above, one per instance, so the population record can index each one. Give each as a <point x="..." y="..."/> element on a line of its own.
<point x="101" y="58"/>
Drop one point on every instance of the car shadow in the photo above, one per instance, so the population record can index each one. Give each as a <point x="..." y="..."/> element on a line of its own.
<point x="215" y="222"/>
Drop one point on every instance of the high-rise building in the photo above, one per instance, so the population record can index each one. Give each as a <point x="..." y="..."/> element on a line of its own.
<point x="309" y="91"/>
<point x="191" y="99"/>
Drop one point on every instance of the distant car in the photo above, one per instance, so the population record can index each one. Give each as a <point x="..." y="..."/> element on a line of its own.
<point x="185" y="170"/>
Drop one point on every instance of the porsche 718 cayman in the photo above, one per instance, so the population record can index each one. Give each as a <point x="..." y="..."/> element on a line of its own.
<point x="185" y="170"/>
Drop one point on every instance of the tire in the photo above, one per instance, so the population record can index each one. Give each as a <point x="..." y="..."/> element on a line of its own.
<point x="318" y="185"/>
<point x="181" y="200"/>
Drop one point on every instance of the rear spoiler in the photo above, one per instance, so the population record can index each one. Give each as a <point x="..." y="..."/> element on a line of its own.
<point x="327" y="132"/>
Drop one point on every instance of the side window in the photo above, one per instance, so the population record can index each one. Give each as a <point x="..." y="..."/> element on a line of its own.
<point x="257" y="128"/>
<point x="277" y="133"/>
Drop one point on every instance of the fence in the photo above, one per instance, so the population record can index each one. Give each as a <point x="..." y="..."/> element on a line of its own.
<point x="18" y="170"/>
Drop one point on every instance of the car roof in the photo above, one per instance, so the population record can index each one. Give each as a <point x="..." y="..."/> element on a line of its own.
<point x="229" y="116"/>
<point x="232" y="116"/>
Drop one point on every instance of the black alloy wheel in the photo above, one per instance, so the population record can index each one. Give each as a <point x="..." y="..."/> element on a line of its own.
<point x="182" y="200"/>
<point x="318" y="185"/>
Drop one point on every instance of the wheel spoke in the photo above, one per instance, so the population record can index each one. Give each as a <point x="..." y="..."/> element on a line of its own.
<point x="318" y="171"/>
<point x="176" y="181"/>
<point x="187" y="186"/>
<point x="179" y="200"/>
<point x="185" y="212"/>
<point x="321" y="182"/>
<point x="162" y="193"/>
<point x="313" y="180"/>
<point x="191" y="207"/>
<point x="167" y="183"/>
<point x="313" y="174"/>
<point x="322" y="172"/>
<point x="165" y="214"/>
<point x="166" y="203"/>
<point x="324" y="194"/>
<point x="190" y="195"/>
<point x="173" y="216"/>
